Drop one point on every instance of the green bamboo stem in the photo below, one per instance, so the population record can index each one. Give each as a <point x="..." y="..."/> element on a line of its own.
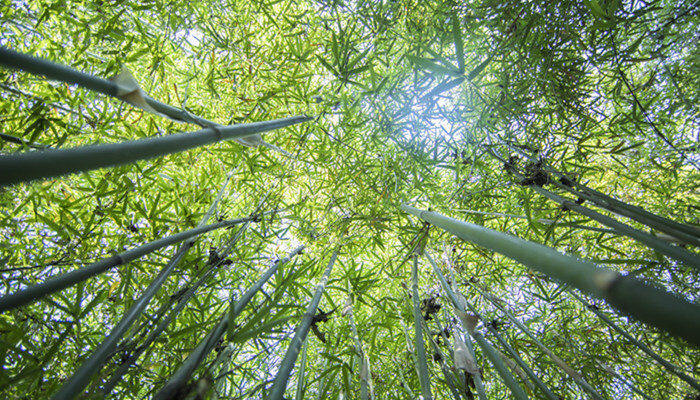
<point x="56" y="283"/>
<point x="421" y="363"/>
<point x="18" y="61"/>
<point x="543" y="221"/>
<point x="446" y="373"/>
<point x="466" y="338"/>
<point x="165" y="322"/>
<point x="223" y="361"/>
<point x="523" y="365"/>
<point x="678" y="253"/>
<point x="302" y="372"/>
<point x="663" y="247"/>
<point x="644" y="302"/>
<point x="497" y="363"/>
<point x="625" y="381"/>
<point x="674" y="369"/>
<point x="280" y="383"/>
<point x="684" y="232"/>
<point x="364" y="362"/>
<point x="488" y="350"/>
<point x="183" y="374"/>
<point x="563" y="365"/>
<point x="94" y="364"/>
<point x="29" y="166"/>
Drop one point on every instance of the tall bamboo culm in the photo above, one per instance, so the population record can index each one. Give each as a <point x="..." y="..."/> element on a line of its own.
<point x="279" y="385"/>
<point x="629" y="295"/>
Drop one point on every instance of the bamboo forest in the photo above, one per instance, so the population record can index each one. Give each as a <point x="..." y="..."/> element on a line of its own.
<point x="350" y="199"/>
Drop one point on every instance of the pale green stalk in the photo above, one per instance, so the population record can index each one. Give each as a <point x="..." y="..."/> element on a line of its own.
<point x="33" y="165"/>
<point x="563" y="365"/>
<point x="625" y="381"/>
<point x="60" y="282"/>
<point x="645" y="302"/>
<point x="301" y="376"/>
<point x="523" y="365"/>
<point x="279" y="385"/>
<point x="421" y="363"/>
<point x="163" y="324"/>
<point x="687" y="233"/>
<point x="364" y="361"/>
<point x="674" y="369"/>
<point x="95" y="362"/>
<point x="183" y="374"/>
<point x="446" y="373"/>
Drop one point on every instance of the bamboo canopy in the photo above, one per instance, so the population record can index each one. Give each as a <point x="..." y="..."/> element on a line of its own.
<point x="368" y="199"/>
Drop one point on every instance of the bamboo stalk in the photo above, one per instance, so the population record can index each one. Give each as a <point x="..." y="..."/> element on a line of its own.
<point x="446" y="373"/>
<point x="56" y="283"/>
<point x="523" y="365"/>
<point x="29" y="166"/>
<point x="686" y="257"/>
<point x="18" y="61"/>
<point x="477" y="378"/>
<point x="563" y="365"/>
<point x="678" y="253"/>
<point x="122" y="87"/>
<point x="302" y="372"/>
<point x="164" y="323"/>
<point x="280" y="383"/>
<point x="497" y="363"/>
<point x="674" y="369"/>
<point x="94" y="364"/>
<point x="684" y="232"/>
<point x="642" y="301"/>
<point x="489" y="351"/>
<point x="364" y="361"/>
<point x="183" y="374"/>
<point x="625" y="381"/>
<point x="421" y="363"/>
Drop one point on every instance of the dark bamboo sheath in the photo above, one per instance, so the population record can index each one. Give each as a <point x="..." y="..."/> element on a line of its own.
<point x="68" y="279"/>
<point x="183" y="374"/>
<point x="647" y="303"/>
<point x="34" y="165"/>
